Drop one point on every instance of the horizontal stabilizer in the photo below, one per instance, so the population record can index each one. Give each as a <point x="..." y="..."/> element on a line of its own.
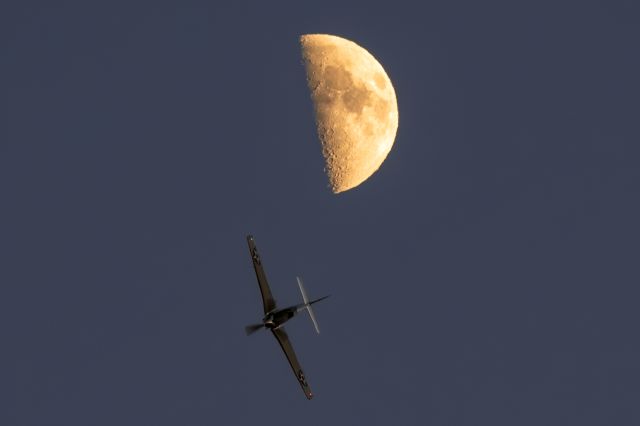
<point x="307" y="305"/>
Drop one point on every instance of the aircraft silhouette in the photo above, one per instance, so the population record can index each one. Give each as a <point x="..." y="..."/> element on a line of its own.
<point x="274" y="318"/>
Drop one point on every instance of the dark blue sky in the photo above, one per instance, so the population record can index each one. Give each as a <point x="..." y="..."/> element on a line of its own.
<point x="487" y="274"/>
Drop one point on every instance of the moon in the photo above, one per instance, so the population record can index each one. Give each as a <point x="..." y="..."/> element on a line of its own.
<point x="355" y="106"/>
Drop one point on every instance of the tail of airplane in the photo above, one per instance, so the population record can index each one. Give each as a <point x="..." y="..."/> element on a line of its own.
<point x="307" y="304"/>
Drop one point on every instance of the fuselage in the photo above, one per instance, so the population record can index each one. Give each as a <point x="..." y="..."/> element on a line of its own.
<point x="276" y="318"/>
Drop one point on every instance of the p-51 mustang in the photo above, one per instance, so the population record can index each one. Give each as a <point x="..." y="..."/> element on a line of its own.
<point x="274" y="318"/>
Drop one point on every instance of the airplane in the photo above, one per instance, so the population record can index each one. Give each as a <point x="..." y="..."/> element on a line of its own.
<point x="275" y="318"/>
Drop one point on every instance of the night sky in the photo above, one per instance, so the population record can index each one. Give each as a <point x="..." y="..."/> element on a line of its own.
<point x="487" y="274"/>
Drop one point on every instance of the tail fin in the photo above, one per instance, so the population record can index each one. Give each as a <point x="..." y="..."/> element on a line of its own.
<point x="308" y="304"/>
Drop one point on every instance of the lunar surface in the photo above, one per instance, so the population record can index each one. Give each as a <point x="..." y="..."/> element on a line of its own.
<point x="355" y="107"/>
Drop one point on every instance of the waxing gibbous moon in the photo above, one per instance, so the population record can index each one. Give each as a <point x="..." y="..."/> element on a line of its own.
<point x="355" y="107"/>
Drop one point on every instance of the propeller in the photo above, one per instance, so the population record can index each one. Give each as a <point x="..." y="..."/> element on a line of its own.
<point x="250" y="329"/>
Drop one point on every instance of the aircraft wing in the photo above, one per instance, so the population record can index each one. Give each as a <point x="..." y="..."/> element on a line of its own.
<point x="268" y="301"/>
<point x="285" y="344"/>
